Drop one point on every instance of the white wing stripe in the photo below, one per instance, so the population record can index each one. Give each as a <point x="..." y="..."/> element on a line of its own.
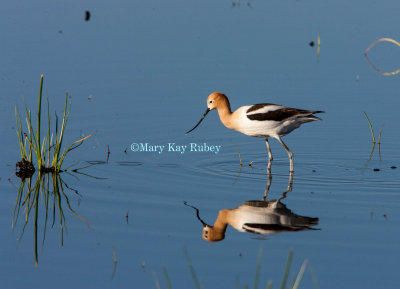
<point x="266" y="109"/>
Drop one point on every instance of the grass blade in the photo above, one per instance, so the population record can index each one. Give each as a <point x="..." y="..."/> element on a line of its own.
<point x="192" y="271"/>
<point x="370" y="126"/>
<point x="39" y="156"/>
<point x="48" y="132"/>
<point x="300" y="275"/>
<point x="156" y="279"/>
<point x="166" y="277"/>
<point x="71" y="147"/>
<point x="314" y="278"/>
<point x="58" y="144"/>
<point x="240" y="157"/>
<point x="380" y="134"/>
<point x="258" y="268"/>
<point x="20" y="133"/>
<point x="287" y="268"/>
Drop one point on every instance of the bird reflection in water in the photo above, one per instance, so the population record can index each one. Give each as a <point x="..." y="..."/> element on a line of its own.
<point x="258" y="217"/>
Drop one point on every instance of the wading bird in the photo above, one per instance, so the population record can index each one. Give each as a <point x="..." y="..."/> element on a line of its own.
<point x="260" y="120"/>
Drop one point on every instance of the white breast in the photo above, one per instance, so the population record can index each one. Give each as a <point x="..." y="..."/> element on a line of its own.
<point x="254" y="127"/>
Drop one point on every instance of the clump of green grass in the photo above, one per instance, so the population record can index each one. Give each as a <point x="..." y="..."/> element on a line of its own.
<point x="46" y="148"/>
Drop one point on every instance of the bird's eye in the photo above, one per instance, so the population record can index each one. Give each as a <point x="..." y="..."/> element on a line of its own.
<point x="210" y="101"/>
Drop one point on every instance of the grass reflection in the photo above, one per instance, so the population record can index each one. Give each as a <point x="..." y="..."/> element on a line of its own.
<point x="43" y="202"/>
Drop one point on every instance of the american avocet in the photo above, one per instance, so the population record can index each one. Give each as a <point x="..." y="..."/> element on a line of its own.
<point x="258" y="217"/>
<point x="260" y="120"/>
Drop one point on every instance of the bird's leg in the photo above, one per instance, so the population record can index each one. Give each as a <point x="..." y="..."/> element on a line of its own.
<point x="289" y="187"/>
<point x="289" y="153"/>
<point x="270" y="157"/>
<point x="269" y="150"/>
<point x="290" y="184"/>
<point x="268" y="185"/>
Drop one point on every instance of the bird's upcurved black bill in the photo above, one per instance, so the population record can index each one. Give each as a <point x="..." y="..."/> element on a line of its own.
<point x="204" y="115"/>
<point x="197" y="213"/>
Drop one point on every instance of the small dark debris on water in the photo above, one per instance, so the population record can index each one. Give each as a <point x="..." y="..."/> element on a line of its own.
<point x="60" y="31"/>
<point x="237" y="4"/>
<point x="312" y="193"/>
<point x="251" y="164"/>
<point x="376" y="170"/>
<point x="313" y="171"/>
<point x="311" y="44"/>
<point x="108" y="152"/>
<point x="127" y="217"/>
<point x="393" y="167"/>
<point x="143" y="266"/>
<point x="25" y="169"/>
<point x="125" y="150"/>
<point x="87" y="15"/>
<point x="385" y="216"/>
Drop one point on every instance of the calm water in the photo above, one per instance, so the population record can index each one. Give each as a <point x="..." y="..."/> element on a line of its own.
<point x="140" y="72"/>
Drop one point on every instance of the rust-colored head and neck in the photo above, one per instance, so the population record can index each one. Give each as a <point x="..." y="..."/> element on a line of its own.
<point x="220" y="102"/>
<point x="216" y="232"/>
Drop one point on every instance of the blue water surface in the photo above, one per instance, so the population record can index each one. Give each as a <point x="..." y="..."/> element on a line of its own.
<point x="140" y="72"/>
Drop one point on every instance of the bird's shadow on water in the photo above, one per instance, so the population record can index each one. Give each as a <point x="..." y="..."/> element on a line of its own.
<point x="262" y="217"/>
